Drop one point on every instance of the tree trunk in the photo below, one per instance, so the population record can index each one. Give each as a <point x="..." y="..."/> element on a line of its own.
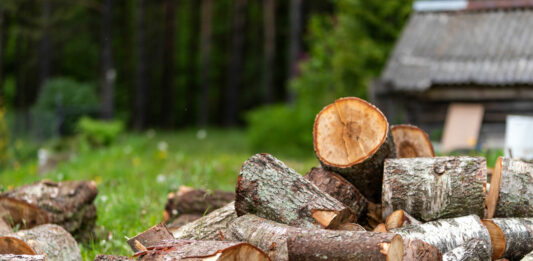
<point x="354" y="145"/>
<point x="295" y="16"/>
<point x="210" y="227"/>
<point x="339" y="188"/>
<point x="154" y="236"/>
<point x="447" y="234"/>
<point x="400" y="218"/>
<point x="111" y="258"/>
<point x="203" y="250"/>
<point x="50" y="240"/>
<point x="108" y="72"/>
<point x="205" y="60"/>
<point x="141" y="91"/>
<point x="268" y="188"/>
<point x="511" y="189"/>
<point x="474" y="249"/>
<point x="512" y="238"/>
<point x="44" y="46"/>
<point x="68" y="204"/>
<point x="168" y="108"/>
<point x="435" y="188"/>
<point x="269" y="28"/>
<point x="411" y="142"/>
<point x="10" y="257"/>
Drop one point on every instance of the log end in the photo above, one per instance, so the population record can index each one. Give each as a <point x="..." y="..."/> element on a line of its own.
<point x="395" y="220"/>
<point x="22" y="213"/>
<point x="421" y="251"/>
<point x="15" y="246"/>
<point x="381" y="228"/>
<point x="332" y="219"/>
<point x="494" y="189"/>
<point x="411" y="142"/>
<point x="497" y="238"/>
<point x="393" y="250"/>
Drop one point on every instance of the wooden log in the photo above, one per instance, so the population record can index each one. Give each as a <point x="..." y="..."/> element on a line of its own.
<point x="210" y="227"/>
<point x="68" y="204"/>
<point x="182" y="220"/>
<point x="4" y="227"/>
<point x="511" y="237"/>
<point x="268" y="188"/>
<point x="188" y="200"/>
<point x="352" y="137"/>
<point x="373" y="216"/>
<point x="11" y="257"/>
<point x="435" y="188"/>
<point x="50" y="240"/>
<point x="511" y="189"/>
<point x="473" y="250"/>
<point x="155" y="235"/>
<point x="339" y="188"/>
<point x="447" y="234"/>
<point x="351" y="227"/>
<point x="411" y="142"/>
<point x="381" y="228"/>
<point x="419" y="250"/>
<point x="203" y="251"/>
<point x="400" y="218"/>
<point x="112" y="258"/>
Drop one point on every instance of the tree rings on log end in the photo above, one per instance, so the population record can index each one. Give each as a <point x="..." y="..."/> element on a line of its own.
<point x="411" y="142"/>
<point x="497" y="238"/>
<point x="494" y="189"/>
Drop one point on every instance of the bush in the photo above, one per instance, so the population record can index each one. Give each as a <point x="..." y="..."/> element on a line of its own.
<point x="98" y="132"/>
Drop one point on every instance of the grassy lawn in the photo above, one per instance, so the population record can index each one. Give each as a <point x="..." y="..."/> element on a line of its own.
<point x="135" y="175"/>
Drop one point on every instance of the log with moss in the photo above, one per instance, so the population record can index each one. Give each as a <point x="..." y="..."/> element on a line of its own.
<point x="411" y="141"/>
<point x="473" y="250"/>
<point x="512" y="238"/>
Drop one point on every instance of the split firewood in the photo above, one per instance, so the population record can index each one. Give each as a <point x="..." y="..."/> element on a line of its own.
<point x="210" y="227"/>
<point x="202" y="251"/>
<point x="528" y="257"/>
<point x="382" y="228"/>
<point x="352" y="137"/>
<point x="111" y="258"/>
<point x="155" y="235"/>
<point x="351" y="227"/>
<point x="68" y="204"/>
<point x="11" y="257"/>
<point x="339" y="188"/>
<point x="435" y="188"/>
<point x="268" y="188"/>
<point x="447" y="234"/>
<point x="182" y="220"/>
<point x="188" y="200"/>
<point x="511" y="189"/>
<point x="473" y="250"/>
<point x="511" y="237"/>
<point x="50" y="240"/>
<point x="400" y="218"/>
<point x="411" y="141"/>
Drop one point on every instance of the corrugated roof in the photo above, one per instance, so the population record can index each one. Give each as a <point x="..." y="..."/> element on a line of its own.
<point x="487" y="48"/>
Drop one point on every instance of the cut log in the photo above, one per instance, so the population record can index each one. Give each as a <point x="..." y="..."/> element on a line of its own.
<point x="50" y="240"/>
<point x="351" y="227"/>
<point x="473" y="250"/>
<point x="447" y="234"/>
<point x="268" y="188"/>
<point x="182" y="220"/>
<point x="419" y="250"/>
<point x="511" y="189"/>
<point x="339" y="188"/>
<point x="210" y="227"/>
<point x="400" y="218"/>
<point x="203" y="251"/>
<point x="188" y="200"/>
<point x="435" y="188"/>
<point x="351" y="137"/>
<point x="512" y="238"/>
<point x="155" y="235"/>
<point x="411" y="141"/>
<point x="381" y="228"/>
<point x="68" y="204"/>
<point x="112" y="258"/>
<point x="11" y="257"/>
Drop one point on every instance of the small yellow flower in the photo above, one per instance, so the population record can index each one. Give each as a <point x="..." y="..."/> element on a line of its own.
<point x="162" y="154"/>
<point x="136" y="161"/>
<point x="10" y="187"/>
<point x="98" y="180"/>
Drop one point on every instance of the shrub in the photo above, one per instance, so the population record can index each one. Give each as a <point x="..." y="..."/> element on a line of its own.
<point x="98" y="132"/>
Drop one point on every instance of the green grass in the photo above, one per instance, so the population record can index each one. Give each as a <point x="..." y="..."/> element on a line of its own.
<point x="135" y="174"/>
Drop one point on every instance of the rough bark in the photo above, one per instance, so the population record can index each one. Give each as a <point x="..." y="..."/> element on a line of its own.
<point x="50" y="240"/>
<point x="473" y="250"/>
<point x="203" y="250"/>
<point x="511" y="189"/>
<point x="447" y="234"/>
<point x="339" y="188"/>
<point x="411" y="142"/>
<point x="151" y="237"/>
<point x="400" y="218"/>
<point x="210" y="227"/>
<point x="268" y="188"/>
<point x="11" y="257"/>
<point x="352" y="138"/>
<point x="111" y="258"/>
<point x="68" y="204"/>
<point x="195" y="201"/>
<point x="182" y="220"/>
<point x="435" y="188"/>
<point x="511" y="237"/>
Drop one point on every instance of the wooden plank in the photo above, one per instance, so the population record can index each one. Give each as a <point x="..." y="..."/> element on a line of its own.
<point x="462" y="125"/>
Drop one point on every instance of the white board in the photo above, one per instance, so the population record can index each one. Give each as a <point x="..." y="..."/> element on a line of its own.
<point x="518" y="141"/>
<point x="461" y="129"/>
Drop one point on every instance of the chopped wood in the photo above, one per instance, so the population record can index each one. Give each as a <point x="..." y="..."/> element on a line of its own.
<point x="188" y="200"/>
<point x="352" y="137"/>
<point x="411" y="141"/>
<point x="447" y="234"/>
<point x="435" y="188"/>
<point x="419" y="250"/>
<point x="68" y="204"/>
<point x="339" y="188"/>
<point x="373" y="216"/>
<point x="474" y="249"/>
<point x="511" y="237"/>
<point x="11" y="257"/>
<point x="183" y="219"/>
<point x="400" y="218"/>
<point x="511" y="189"/>
<point x="112" y="258"/>
<point x="351" y="227"/>
<point x="209" y="227"/>
<point x="155" y="235"/>
<point x="268" y="188"/>
<point x="381" y="228"/>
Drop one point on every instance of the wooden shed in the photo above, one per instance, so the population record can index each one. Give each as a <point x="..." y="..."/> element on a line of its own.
<point x="477" y="52"/>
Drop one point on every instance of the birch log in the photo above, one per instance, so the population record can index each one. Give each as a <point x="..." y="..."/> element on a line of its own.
<point x="155" y="235"/>
<point x="210" y="227"/>
<point x="352" y="137"/>
<point x="473" y="250"/>
<point x="512" y="238"/>
<point x="411" y="141"/>
<point x="268" y="188"/>
<point x="400" y="218"/>
<point x="511" y="189"/>
<point x="447" y="234"/>
<point x="435" y="188"/>
<point x="11" y="257"/>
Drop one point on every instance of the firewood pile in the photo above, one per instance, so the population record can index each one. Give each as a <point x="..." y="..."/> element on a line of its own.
<point x="380" y="193"/>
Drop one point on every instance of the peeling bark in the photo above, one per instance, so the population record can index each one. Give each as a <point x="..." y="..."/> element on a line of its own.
<point x="511" y="237"/>
<point x="151" y="237"/>
<point x="210" y="227"/>
<point x="268" y="188"/>
<point x="195" y="201"/>
<point x="473" y="250"/>
<point x="435" y="188"/>
<point x="400" y="218"/>
<point x="10" y="257"/>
